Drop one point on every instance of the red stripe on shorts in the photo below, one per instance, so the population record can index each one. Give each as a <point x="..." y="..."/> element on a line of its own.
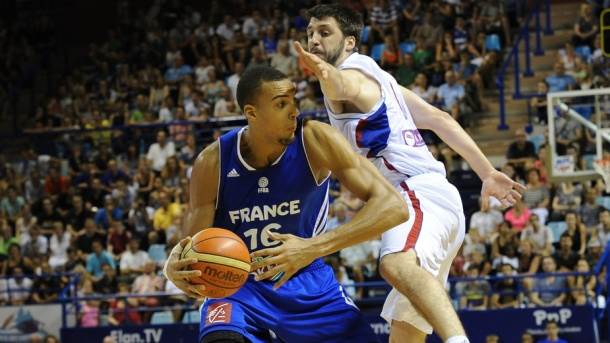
<point x="419" y="218"/>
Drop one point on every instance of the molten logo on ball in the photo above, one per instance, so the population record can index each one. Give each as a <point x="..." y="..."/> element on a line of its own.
<point x="223" y="275"/>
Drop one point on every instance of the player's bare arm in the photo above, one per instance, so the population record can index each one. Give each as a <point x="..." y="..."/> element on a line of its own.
<point x="203" y="187"/>
<point x="342" y="88"/>
<point x="384" y="208"/>
<point x="495" y="183"/>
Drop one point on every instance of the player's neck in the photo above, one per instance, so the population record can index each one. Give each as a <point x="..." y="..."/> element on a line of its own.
<point x="258" y="151"/>
<point x="341" y="59"/>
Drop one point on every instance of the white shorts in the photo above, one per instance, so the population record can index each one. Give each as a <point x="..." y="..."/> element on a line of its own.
<point x="435" y="230"/>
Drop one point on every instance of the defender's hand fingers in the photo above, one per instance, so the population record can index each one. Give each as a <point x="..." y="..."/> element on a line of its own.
<point x="270" y="261"/>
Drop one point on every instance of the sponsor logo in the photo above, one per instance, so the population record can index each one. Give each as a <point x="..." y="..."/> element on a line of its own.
<point x="223" y="275"/>
<point x="560" y="316"/>
<point x="233" y="173"/>
<point x="263" y="183"/>
<point x="413" y="138"/>
<point x="218" y="313"/>
<point x="147" y="336"/>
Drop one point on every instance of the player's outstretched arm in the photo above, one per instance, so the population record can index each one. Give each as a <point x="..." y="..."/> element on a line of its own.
<point x="341" y="85"/>
<point x="495" y="183"/>
<point x="328" y="150"/>
<point x="200" y="214"/>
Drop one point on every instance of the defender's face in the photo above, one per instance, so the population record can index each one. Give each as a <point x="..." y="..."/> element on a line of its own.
<point x="277" y="109"/>
<point x="325" y="39"/>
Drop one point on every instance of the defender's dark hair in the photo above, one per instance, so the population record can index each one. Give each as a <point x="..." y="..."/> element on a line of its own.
<point x="251" y="80"/>
<point x="350" y="21"/>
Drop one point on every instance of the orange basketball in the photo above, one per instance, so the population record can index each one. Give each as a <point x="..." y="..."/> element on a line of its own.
<point x="223" y="259"/>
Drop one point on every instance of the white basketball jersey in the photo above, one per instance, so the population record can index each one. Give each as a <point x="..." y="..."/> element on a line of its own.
<point x="387" y="134"/>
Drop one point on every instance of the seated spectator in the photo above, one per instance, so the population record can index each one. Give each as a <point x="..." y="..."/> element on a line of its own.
<point x="520" y="152"/>
<point x="339" y="218"/>
<point x="602" y="231"/>
<point x="384" y="21"/>
<point x="146" y="283"/>
<point x="11" y="204"/>
<point x="19" y="286"/>
<point x="117" y="238"/>
<point x="504" y="248"/>
<point x="258" y="57"/>
<point x="450" y="95"/>
<point x="539" y="234"/>
<point x="178" y="72"/>
<point x="55" y="183"/>
<point x="195" y="109"/>
<point x="590" y="210"/>
<point x="122" y="310"/>
<point x="77" y="214"/>
<point x="159" y="152"/>
<point x="113" y="174"/>
<point x="283" y="61"/>
<point x="567" y="199"/>
<point x="552" y="333"/>
<point x="427" y="33"/>
<point x="97" y="259"/>
<point x="60" y="242"/>
<point x="47" y="216"/>
<point x="506" y="290"/>
<point x="108" y="283"/>
<point x="134" y="259"/>
<point x="529" y="259"/>
<point x="559" y="80"/>
<point x="46" y="286"/>
<point x="585" y="28"/>
<point x="108" y="213"/>
<point x="565" y="256"/>
<point x="538" y="103"/>
<point x="309" y="102"/>
<point x="73" y="263"/>
<point x="582" y="288"/>
<point x="6" y="239"/>
<point x="518" y="216"/>
<point x="550" y="290"/>
<point x="567" y="56"/>
<point x="164" y="216"/>
<point x="225" y="106"/>
<point x="537" y="195"/>
<point x="37" y="245"/>
<point x="474" y="294"/>
<point x="85" y="238"/>
<point x="473" y="242"/>
<point x="406" y="73"/>
<point x="391" y="57"/>
<point x="421" y="87"/>
<point x="577" y="231"/>
<point x="445" y="49"/>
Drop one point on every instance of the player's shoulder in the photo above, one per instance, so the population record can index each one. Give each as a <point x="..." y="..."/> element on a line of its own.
<point x="208" y="157"/>
<point x="315" y="131"/>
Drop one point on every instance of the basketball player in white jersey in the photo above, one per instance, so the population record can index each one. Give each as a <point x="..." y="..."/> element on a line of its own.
<point x="381" y="120"/>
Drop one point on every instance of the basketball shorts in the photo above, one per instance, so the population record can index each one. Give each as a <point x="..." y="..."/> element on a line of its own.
<point x="435" y="230"/>
<point x="310" y="307"/>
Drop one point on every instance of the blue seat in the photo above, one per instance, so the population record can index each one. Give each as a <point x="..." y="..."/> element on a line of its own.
<point x="376" y="51"/>
<point x="604" y="202"/>
<point x="557" y="228"/>
<point x="584" y="110"/>
<point x="162" y="317"/>
<point x="492" y="42"/>
<point x="191" y="317"/>
<point x="407" y="47"/>
<point x="537" y="140"/>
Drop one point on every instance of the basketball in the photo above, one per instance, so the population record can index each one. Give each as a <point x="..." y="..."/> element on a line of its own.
<point x="223" y="259"/>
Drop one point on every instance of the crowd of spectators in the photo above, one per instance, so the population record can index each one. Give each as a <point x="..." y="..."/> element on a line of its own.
<point x="107" y="204"/>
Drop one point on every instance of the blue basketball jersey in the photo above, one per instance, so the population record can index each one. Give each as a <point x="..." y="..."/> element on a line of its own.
<point x="283" y="197"/>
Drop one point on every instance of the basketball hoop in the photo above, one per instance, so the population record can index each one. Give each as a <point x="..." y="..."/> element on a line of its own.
<point x="602" y="167"/>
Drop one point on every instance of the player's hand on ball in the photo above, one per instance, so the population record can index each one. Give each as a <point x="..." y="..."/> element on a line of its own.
<point x="175" y="270"/>
<point x="288" y="258"/>
<point x="500" y="186"/>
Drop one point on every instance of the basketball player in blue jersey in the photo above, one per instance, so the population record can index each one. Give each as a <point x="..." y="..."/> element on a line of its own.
<point x="381" y="120"/>
<point x="267" y="179"/>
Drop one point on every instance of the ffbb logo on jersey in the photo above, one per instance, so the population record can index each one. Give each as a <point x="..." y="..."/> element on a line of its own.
<point x="263" y="184"/>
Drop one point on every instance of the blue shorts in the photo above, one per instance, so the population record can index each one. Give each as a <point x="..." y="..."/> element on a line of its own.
<point x="310" y="307"/>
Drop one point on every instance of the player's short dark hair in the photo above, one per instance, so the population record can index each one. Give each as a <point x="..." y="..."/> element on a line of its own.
<point x="350" y="21"/>
<point x="252" y="79"/>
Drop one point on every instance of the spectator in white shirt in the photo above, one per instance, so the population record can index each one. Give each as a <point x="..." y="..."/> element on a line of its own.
<point x="539" y="234"/>
<point x="133" y="259"/>
<point x="227" y="28"/>
<point x="233" y="80"/>
<point x="37" y="245"/>
<point x="486" y="222"/>
<point x="19" y="287"/>
<point x="160" y="151"/>
<point x="252" y="25"/>
<point x="225" y="106"/>
<point x="60" y="242"/>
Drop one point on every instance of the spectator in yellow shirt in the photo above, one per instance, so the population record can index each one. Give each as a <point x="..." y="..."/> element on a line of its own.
<point x="164" y="216"/>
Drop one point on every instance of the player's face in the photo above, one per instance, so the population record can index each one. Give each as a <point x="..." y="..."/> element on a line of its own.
<point x="277" y="108"/>
<point x="325" y="39"/>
